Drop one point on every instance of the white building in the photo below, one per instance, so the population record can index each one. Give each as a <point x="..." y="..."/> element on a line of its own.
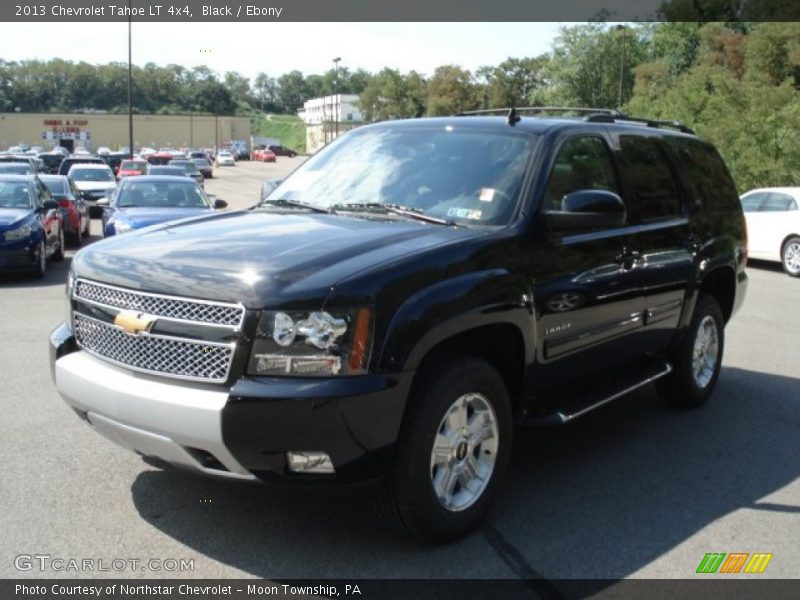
<point x="342" y="108"/>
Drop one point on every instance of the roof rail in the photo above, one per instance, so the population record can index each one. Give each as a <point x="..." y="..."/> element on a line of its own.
<point x="538" y="109"/>
<point x="592" y="115"/>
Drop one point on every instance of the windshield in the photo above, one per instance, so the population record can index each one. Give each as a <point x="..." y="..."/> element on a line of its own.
<point x="161" y="194"/>
<point x="15" y="194"/>
<point x="133" y="165"/>
<point x="171" y="171"/>
<point x="201" y="162"/>
<point x="91" y="174"/>
<point x="464" y="176"/>
<point x="16" y="168"/>
<point x="56" y="186"/>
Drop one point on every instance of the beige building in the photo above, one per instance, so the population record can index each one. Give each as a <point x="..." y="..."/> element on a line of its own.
<point x="92" y="130"/>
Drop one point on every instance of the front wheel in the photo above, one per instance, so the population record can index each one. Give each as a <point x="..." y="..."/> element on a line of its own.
<point x="40" y="268"/>
<point x="790" y="256"/>
<point x="454" y="447"/>
<point x="698" y="359"/>
<point x="58" y="255"/>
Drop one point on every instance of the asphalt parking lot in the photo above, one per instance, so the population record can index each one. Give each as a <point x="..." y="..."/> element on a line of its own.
<point x="632" y="490"/>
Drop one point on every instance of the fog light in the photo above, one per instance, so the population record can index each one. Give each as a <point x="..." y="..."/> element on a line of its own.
<point x="310" y="462"/>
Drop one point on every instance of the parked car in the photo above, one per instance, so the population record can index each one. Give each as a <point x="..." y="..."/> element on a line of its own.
<point x="191" y="170"/>
<point x="132" y="168"/>
<point x="148" y="200"/>
<point x="31" y="230"/>
<point x="16" y="168"/>
<point x="205" y="166"/>
<point x="51" y="161"/>
<point x="74" y="211"/>
<point x="773" y="226"/>
<point x="159" y="158"/>
<point x="167" y="170"/>
<point x="21" y="158"/>
<point x="114" y="160"/>
<point x="282" y="151"/>
<point x="263" y="155"/>
<point x="67" y="163"/>
<point x="389" y="311"/>
<point x="94" y="181"/>
<point x="225" y="159"/>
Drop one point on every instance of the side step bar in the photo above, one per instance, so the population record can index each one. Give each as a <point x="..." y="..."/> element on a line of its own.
<point x="589" y="403"/>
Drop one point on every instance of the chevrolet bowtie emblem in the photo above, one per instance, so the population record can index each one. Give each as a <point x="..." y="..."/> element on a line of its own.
<point x="133" y="322"/>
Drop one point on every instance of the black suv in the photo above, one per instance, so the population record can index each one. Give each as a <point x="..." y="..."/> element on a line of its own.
<point x="405" y="298"/>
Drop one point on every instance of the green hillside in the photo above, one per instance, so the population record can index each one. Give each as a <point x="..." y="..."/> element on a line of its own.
<point x="290" y="130"/>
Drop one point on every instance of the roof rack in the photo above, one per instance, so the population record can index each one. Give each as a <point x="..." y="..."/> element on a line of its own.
<point x="592" y="115"/>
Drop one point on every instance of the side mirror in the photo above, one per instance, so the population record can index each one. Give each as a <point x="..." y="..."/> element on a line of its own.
<point x="219" y="203"/>
<point x="268" y="186"/>
<point x="587" y="209"/>
<point x="50" y="205"/>
<point x="102" y="202"/>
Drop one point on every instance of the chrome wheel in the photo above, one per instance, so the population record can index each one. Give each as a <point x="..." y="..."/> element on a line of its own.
<point x="706" y="352"/>
<point x="791" y="257"/>
<point x="464" y="452"/>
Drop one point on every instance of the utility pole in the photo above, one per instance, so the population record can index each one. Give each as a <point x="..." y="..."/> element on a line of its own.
<point x="130" y="83"/>
<point x="621" y="29"/>
<point x="337" y="105"/>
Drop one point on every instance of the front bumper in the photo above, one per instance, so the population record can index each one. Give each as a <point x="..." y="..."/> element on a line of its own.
<point x="20" y="257"/>
<point x="242" y="432"/>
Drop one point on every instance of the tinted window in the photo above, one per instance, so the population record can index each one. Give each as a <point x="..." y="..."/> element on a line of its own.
<point x="79" y="174"/>
<point x="779" y="202"/>
<point x="651" y="188"/>
<point x="581" y="164"/>
<point x="15" y="194"/>
<point x="752" y="202"/>
<point x="704" y="176"/>
<point x="56" y="186"/>
<point x="161" y="194"/>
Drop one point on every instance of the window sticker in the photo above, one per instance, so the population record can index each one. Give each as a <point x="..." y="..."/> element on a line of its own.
<point x="465" y="213"/>
<point x="486" y="195"/>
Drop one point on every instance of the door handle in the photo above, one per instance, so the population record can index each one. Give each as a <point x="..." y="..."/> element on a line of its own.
<point x="628" y="258"/>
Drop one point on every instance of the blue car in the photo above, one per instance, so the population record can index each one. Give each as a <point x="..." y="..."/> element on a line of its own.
<point x="148" y="200"/>
<point x="31" y="226"/>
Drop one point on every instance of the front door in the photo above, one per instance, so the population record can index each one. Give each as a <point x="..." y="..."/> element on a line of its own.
<point x="588" y="307"/>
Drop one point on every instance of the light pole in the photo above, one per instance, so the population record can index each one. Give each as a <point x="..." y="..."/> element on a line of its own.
<point x="130" y="83"/>
<point x="336" y="108"/>
<point x="621" y="29"/>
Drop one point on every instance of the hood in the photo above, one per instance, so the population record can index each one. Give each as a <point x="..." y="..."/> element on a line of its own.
<point x="11" y="216"/>
<point x="94" y="185"/>
<point x="140" y="217"/>
<point x="261" y="259"/>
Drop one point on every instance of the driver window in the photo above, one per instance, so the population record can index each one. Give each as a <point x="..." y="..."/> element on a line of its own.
<point x="582" y="163"/>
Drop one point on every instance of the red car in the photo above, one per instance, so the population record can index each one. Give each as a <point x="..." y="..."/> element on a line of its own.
<point x="74" y="211"/>
<point x="131" y="168"/>
<point x="263" y="155"/>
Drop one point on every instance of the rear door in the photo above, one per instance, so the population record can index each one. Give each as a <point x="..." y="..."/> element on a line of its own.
<point x="661" y="246"/>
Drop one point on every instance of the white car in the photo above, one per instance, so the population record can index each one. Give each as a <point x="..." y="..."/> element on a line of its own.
<point x="94" y="181"/>
<point x="225" y="159"/>
<point x="773" y="226"/>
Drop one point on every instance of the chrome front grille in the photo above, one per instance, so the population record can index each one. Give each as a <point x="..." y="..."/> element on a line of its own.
<point x="151" y="353"/>
<point x="169" y="307"/>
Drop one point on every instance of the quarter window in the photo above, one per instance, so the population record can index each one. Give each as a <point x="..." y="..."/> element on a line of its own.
<point x="752" y="202"/>
<point x="777" y="202"/>
<point x="653" y="192"/>
<point x="581" y="164"/>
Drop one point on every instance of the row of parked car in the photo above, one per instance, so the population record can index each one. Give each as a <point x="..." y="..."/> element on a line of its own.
<point x="41" y="211"/>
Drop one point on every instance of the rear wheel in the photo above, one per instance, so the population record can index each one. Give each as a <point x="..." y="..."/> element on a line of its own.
<point x="453" y="450"/>
<point x="698" y="360"/>
<point x="790" y="256"/>
<point x="58" y="255"/>
<point x="77" y="237"/>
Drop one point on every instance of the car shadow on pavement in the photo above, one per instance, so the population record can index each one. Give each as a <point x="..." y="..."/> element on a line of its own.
<point x="56" y="274"/>
<point x="601" y="498"/>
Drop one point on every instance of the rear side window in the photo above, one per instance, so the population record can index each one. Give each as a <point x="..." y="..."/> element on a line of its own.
<point x="752" y="202"/>
<point x="776" y="202"/>
<point x="652" y="191"/>
<point x="704" y="175"/>
<point x="582" y="163"/>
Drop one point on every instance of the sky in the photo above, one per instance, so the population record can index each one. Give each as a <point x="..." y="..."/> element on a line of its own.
<point x="277" y="48"/>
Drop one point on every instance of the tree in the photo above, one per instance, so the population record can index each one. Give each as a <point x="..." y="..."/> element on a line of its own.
<point x="451" y="90"/>
<point x="390" y="95"/>
<point x="511" y="83"/>
<point x="292" y="91"/>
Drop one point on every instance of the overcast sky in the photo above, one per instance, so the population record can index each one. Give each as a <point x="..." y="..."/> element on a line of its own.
<point x="276" y="48"/>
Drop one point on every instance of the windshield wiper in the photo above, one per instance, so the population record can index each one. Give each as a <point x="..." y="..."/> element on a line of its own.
<point x="283" y="202"/>
<point x="395" y="209"/>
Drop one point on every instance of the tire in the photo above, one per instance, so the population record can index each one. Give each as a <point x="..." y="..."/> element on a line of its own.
<point x="77" y="237"/>
<point x="698" y="360"/>
<point x="790" y="256"/>
<point x="58" y="255"/>
<point x="40" y="269"/>
<point x="456" y="395"/>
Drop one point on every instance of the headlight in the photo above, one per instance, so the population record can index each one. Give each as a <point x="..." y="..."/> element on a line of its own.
<point x="122" y="226"/>
<point x="68" y="300"/>
<point x="18" y="233"/>
<point x="316" y="344"/>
